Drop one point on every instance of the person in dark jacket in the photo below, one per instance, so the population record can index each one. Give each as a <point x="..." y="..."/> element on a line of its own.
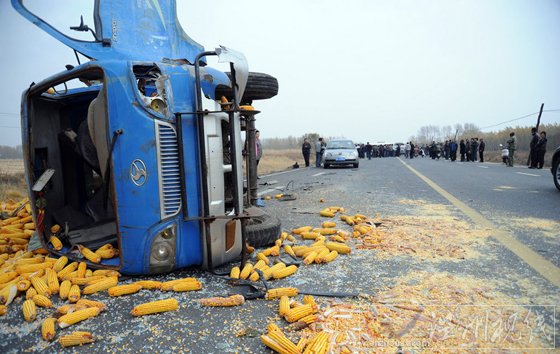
<point x="368" y="150"/>
<point x="306" y="151"/>
<point x="533" y="148"/>
<point x="541" y="150"/>
<point x="462" y="150"/>
<point x="412" y="152"/>
<point x="474" y="149"/>
<point x="481" y="148"/>
<point x="453" y="150"/>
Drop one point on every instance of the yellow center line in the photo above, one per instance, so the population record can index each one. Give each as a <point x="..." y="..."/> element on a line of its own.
<point x="543" y="266"/>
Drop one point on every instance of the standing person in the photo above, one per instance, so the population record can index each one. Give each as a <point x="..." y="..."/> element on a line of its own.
<point x="541" y="150"/>
<point x="505" y="153"/>
<point x="512" y="146"/>
<point x="462" y="150"/>
<point x="453" y="150"/>
<point x="533" y="148"/>
<point x="412" y="147"/>
<point x="446" y="150"/>
<point x="318" y="152"/>
<point x="468" y="147"/>
<point x="306" y="151"/>
<point x="474" y="149"/>
<point x="258" y="148"/>
<point x="368" y="150"/>
<point x="407" y="150"/>
<point x="481" y="148"/>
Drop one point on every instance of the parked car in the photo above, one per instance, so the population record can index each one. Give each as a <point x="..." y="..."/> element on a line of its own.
<point x="555" y="169"/>
<point x="340" y="152"/>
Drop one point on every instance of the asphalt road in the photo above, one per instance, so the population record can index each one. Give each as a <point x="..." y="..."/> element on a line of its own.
<point x="516" y="202"/>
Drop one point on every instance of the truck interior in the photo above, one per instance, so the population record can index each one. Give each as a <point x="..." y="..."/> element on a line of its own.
<point x="68" y="133"/>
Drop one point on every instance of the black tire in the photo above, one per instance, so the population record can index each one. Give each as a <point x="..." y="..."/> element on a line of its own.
<point x="355" y="165"/>
<point x="259" y="87"/>
<point x="556" y="174"/>
<point x="263" y="230"/>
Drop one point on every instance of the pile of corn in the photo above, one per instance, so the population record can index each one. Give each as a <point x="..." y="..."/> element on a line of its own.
<point x="17" y="228"/>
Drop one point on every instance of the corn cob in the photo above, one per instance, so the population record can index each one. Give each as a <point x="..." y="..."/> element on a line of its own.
<point x="101" y="285"/>
<point x="361" y="216"/>
<point x="306" y="250"/>
<point x="42" y="301"/>
<point x="302" y="229"/>
<point x="299" y="312"/>
<point x="149" y="284"/>
<point x="105" y="247"/>
<point x="308" y="299"/>
<point x="356" y="233"/>
<point x="74" y="294"/>
<point x="301" y="344"/>
<point x="168" y="285"/>
<point x="29" y="310"/>
<point x="67" y="270"/>
<point x="321" y="255"/>
<point x="30" y="293"/>
<point x="254" y="276"/>
<point x="284" y="305"/>
<point x="233" y="300"/>
<point x="330" y="257"/>
<point x="272" y="327"/>
<point x="291" y="239"/>
<point x="89" y="273"/>
<point x="284" y="272"/>
<point x="64" y="289"/>
<point x="30" y="268"/>
<point x="287" y="345"/>
<point x="261" y="257"/>
<point x="320" y="344"/>
<point x="3" y="310"/>
<point x="267" y="273"/>
<point x="272" y="251"/>
<point x="126" y="289"/>
<point x="259" y="265"/>
<point x="309" y="235"/>
<point x="155" y="307"/>
<point x="318" y="242"/>
<point x="65" y="309"/>
<point x="86" y="280"/>
<point x="40" y="285"/>
<point x="90" y="303"/>
<point x="249" y="249"/>
<point x="234" y="273"/>
<point x="55" y="229"/>
<point x="33" y="260"/>
<point x="279" y="292"/>
<point x="8" y="293"/>
<point x="326" y="231"/>
<point x="77" y="316"/>
<point x="107" y="254"/>
<point x="328" y="224"/>
<point x="82" y="267"/>
<point x="187" y="286"/>
<point x="339" y="247"/>
<point x="288" y="249"/>
<point x="76" y="338"/>
<point x="247" y="269"/>
<point x="310" y="258"/>
<point x="52" y="281"/>
<point x="107" y="273"/>
<point x="47" y="329"/>
<point x="23" y="285"/>
<point x="266" y="340"/>
<point x="309" y="319"/>
<point x="326" y="213"/>
<point x="283" y="235"/>
<point x="90" y="255"/>
<point x="56" y="243"/>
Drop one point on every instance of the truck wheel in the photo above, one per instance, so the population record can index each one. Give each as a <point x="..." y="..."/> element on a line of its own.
<point x="259" y="87"/>
<point x="263" y="230"/>
<point x="556" y="174"/>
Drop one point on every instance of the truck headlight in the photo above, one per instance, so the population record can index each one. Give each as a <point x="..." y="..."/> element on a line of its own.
<point x="162" y="252"/>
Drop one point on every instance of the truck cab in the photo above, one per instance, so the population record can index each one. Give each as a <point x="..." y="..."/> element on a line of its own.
<point x="138" y="147"/>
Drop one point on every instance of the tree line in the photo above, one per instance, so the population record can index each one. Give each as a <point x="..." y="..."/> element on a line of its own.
<point x="11" y="152"/>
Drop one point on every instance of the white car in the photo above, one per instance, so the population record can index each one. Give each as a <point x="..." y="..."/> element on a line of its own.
<point x="340" y="152"/>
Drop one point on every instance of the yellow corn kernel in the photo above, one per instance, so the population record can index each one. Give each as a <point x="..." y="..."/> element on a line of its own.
<point x="259" y="265"/>
<point x="90" y="255"/>
<point x="126" y="289"/>
<point x="339" y="247"/>
<point x="82" y="267"/>
<point x="262" y="257"/>
<point x="56" y="243"/>
<point x="23" y="285"/>
<point x="101" y="285"/>
<point x="267" y="273"/>
<point x="254" y="276"/>
<point x="299" y="312"/>
<point x="285" y="272"/>
<point x="284" y="305"/>
<point x="74" y="294"/>
<point x="68" y="269"/>
<point x="149" y="284"/>
<point x="77" y="316"/>
<point x="42" y="301"/>
<point x="47" y="329"/>
<point x="234" y="273"/>
<point x="168" y="285"/>
<point x="30" y="293"/>
<point x="247" y="269"/>
<point x="233" y="300"/>
<point x="29" y="310"/>
<point x="310" y="258"/>
<point x="309" y="235"/>
<point x="76" y="338"/>
<point x="187" y="286"/>
<point x="41" y="287"/>
<point x="301" y="230"/>
<point x="64" y="289"/>
<point x="52" y="281"/>
<point x="288" y="249"/>
<point x="279" y="292"/>
<point x="155" y="307"/>
<point x="328" y="224"/>
<point x="90" y="303"/>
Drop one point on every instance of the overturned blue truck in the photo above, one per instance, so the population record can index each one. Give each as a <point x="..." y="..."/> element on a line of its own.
<point x="141" y="146"/>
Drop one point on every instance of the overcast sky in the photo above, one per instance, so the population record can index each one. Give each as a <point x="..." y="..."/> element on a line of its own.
<point x="364" y="69"/>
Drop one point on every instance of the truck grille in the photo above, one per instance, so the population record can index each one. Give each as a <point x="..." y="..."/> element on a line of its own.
<point x="168" y="169"/>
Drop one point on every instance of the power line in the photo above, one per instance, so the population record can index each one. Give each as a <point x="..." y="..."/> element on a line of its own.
<point x="519" y="118"/>
<point x="9" y="126"/>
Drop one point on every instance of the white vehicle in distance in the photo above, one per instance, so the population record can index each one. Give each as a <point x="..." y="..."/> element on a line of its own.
<point x="340" y="152"/>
